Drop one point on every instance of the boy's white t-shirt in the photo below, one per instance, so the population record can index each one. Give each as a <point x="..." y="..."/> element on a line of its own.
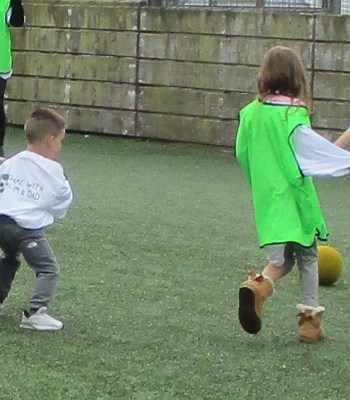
<point x="34" y="190"/>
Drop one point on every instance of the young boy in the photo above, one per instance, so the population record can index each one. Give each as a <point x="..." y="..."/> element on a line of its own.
<point x="34" y="192"/>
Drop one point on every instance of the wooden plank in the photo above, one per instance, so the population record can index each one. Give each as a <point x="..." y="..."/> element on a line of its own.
<point x="79" y="119"/>
<point x="169" y="100"/>
<point x="216" y="49"/>
<point x="227" y="22"/>
<point x="75" y="15"/>
<point x="64" y="91"/>
<point x="198" y="75"/>
<point x="333" y="28"/>
<point x="331" y="115"/>
<point x="332" y="56"/>
<point x="122" y="44"/>
<point x="332" y="85"/>
<point x="90" y="67"/>
<point x="186" y="129"/>
<point x="231" y="77"/>
<point x="330" y="134"/>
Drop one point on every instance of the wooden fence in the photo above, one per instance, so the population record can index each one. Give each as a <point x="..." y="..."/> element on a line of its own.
<point x="170" y="73"/>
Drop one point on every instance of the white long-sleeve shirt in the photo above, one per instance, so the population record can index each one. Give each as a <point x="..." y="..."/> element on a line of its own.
<point x="317" y="156"/>
<point x="33" y="190"/>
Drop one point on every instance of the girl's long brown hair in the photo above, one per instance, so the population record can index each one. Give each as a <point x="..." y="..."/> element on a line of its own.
<point x="283" y="72"/>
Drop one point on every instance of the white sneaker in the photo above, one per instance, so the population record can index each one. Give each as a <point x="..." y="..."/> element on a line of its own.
<point x="41" y="321"/>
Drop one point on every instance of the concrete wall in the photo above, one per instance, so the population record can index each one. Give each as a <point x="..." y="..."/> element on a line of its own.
<point x="170" y="73"/>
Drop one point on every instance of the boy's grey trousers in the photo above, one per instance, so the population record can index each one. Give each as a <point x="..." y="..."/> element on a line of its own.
<point x="14" y="241"/>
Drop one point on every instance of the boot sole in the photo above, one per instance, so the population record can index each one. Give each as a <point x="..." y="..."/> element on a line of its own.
<point x="248" y="317"/>
<point x="314" y="339"/>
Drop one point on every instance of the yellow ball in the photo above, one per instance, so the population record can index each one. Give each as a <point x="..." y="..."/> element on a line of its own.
<point x="330" y="265"/>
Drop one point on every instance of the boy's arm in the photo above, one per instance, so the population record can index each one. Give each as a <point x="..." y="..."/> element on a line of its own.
<point x="63" y="194"/>
<point x="317" y="156"/>
<point x="344" y="140"/>
<point x="59" y="210"/>
<point x="16" y="18"/>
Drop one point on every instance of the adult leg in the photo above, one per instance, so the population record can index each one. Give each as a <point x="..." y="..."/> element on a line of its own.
<point x="9" y="265"/>
<point x="3" y="83"/>
<point x="10" y="261"/>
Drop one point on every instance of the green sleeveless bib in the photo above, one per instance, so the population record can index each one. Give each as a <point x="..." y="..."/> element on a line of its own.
<point x="5" y="39"/>
<point x="285" y="202"/>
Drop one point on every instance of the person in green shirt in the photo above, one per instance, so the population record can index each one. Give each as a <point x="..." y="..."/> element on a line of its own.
<point x="11" y="14"/>
<point x="275" y="146"/>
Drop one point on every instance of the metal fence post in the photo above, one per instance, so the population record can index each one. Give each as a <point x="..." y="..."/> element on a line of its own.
<point x="334" y="6"/>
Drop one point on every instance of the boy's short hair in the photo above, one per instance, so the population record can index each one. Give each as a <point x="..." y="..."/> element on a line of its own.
<point x="42" y="122"/>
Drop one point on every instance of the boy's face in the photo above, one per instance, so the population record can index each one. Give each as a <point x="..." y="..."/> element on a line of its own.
<point x="54" y="145"/>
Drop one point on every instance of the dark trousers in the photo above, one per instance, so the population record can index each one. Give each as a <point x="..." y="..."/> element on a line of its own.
<point x="15" y="240"/>
<point x="3" y="83"/>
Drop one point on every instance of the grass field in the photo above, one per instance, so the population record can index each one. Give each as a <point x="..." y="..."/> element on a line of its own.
<point x="156" y="244"/>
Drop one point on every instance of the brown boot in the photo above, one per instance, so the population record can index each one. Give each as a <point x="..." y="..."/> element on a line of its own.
<point x="251" y="300"/>
<point x="310" y="329"/>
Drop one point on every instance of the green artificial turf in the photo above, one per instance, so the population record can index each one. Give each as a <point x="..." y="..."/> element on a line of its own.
<point x="156" y="244"/>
